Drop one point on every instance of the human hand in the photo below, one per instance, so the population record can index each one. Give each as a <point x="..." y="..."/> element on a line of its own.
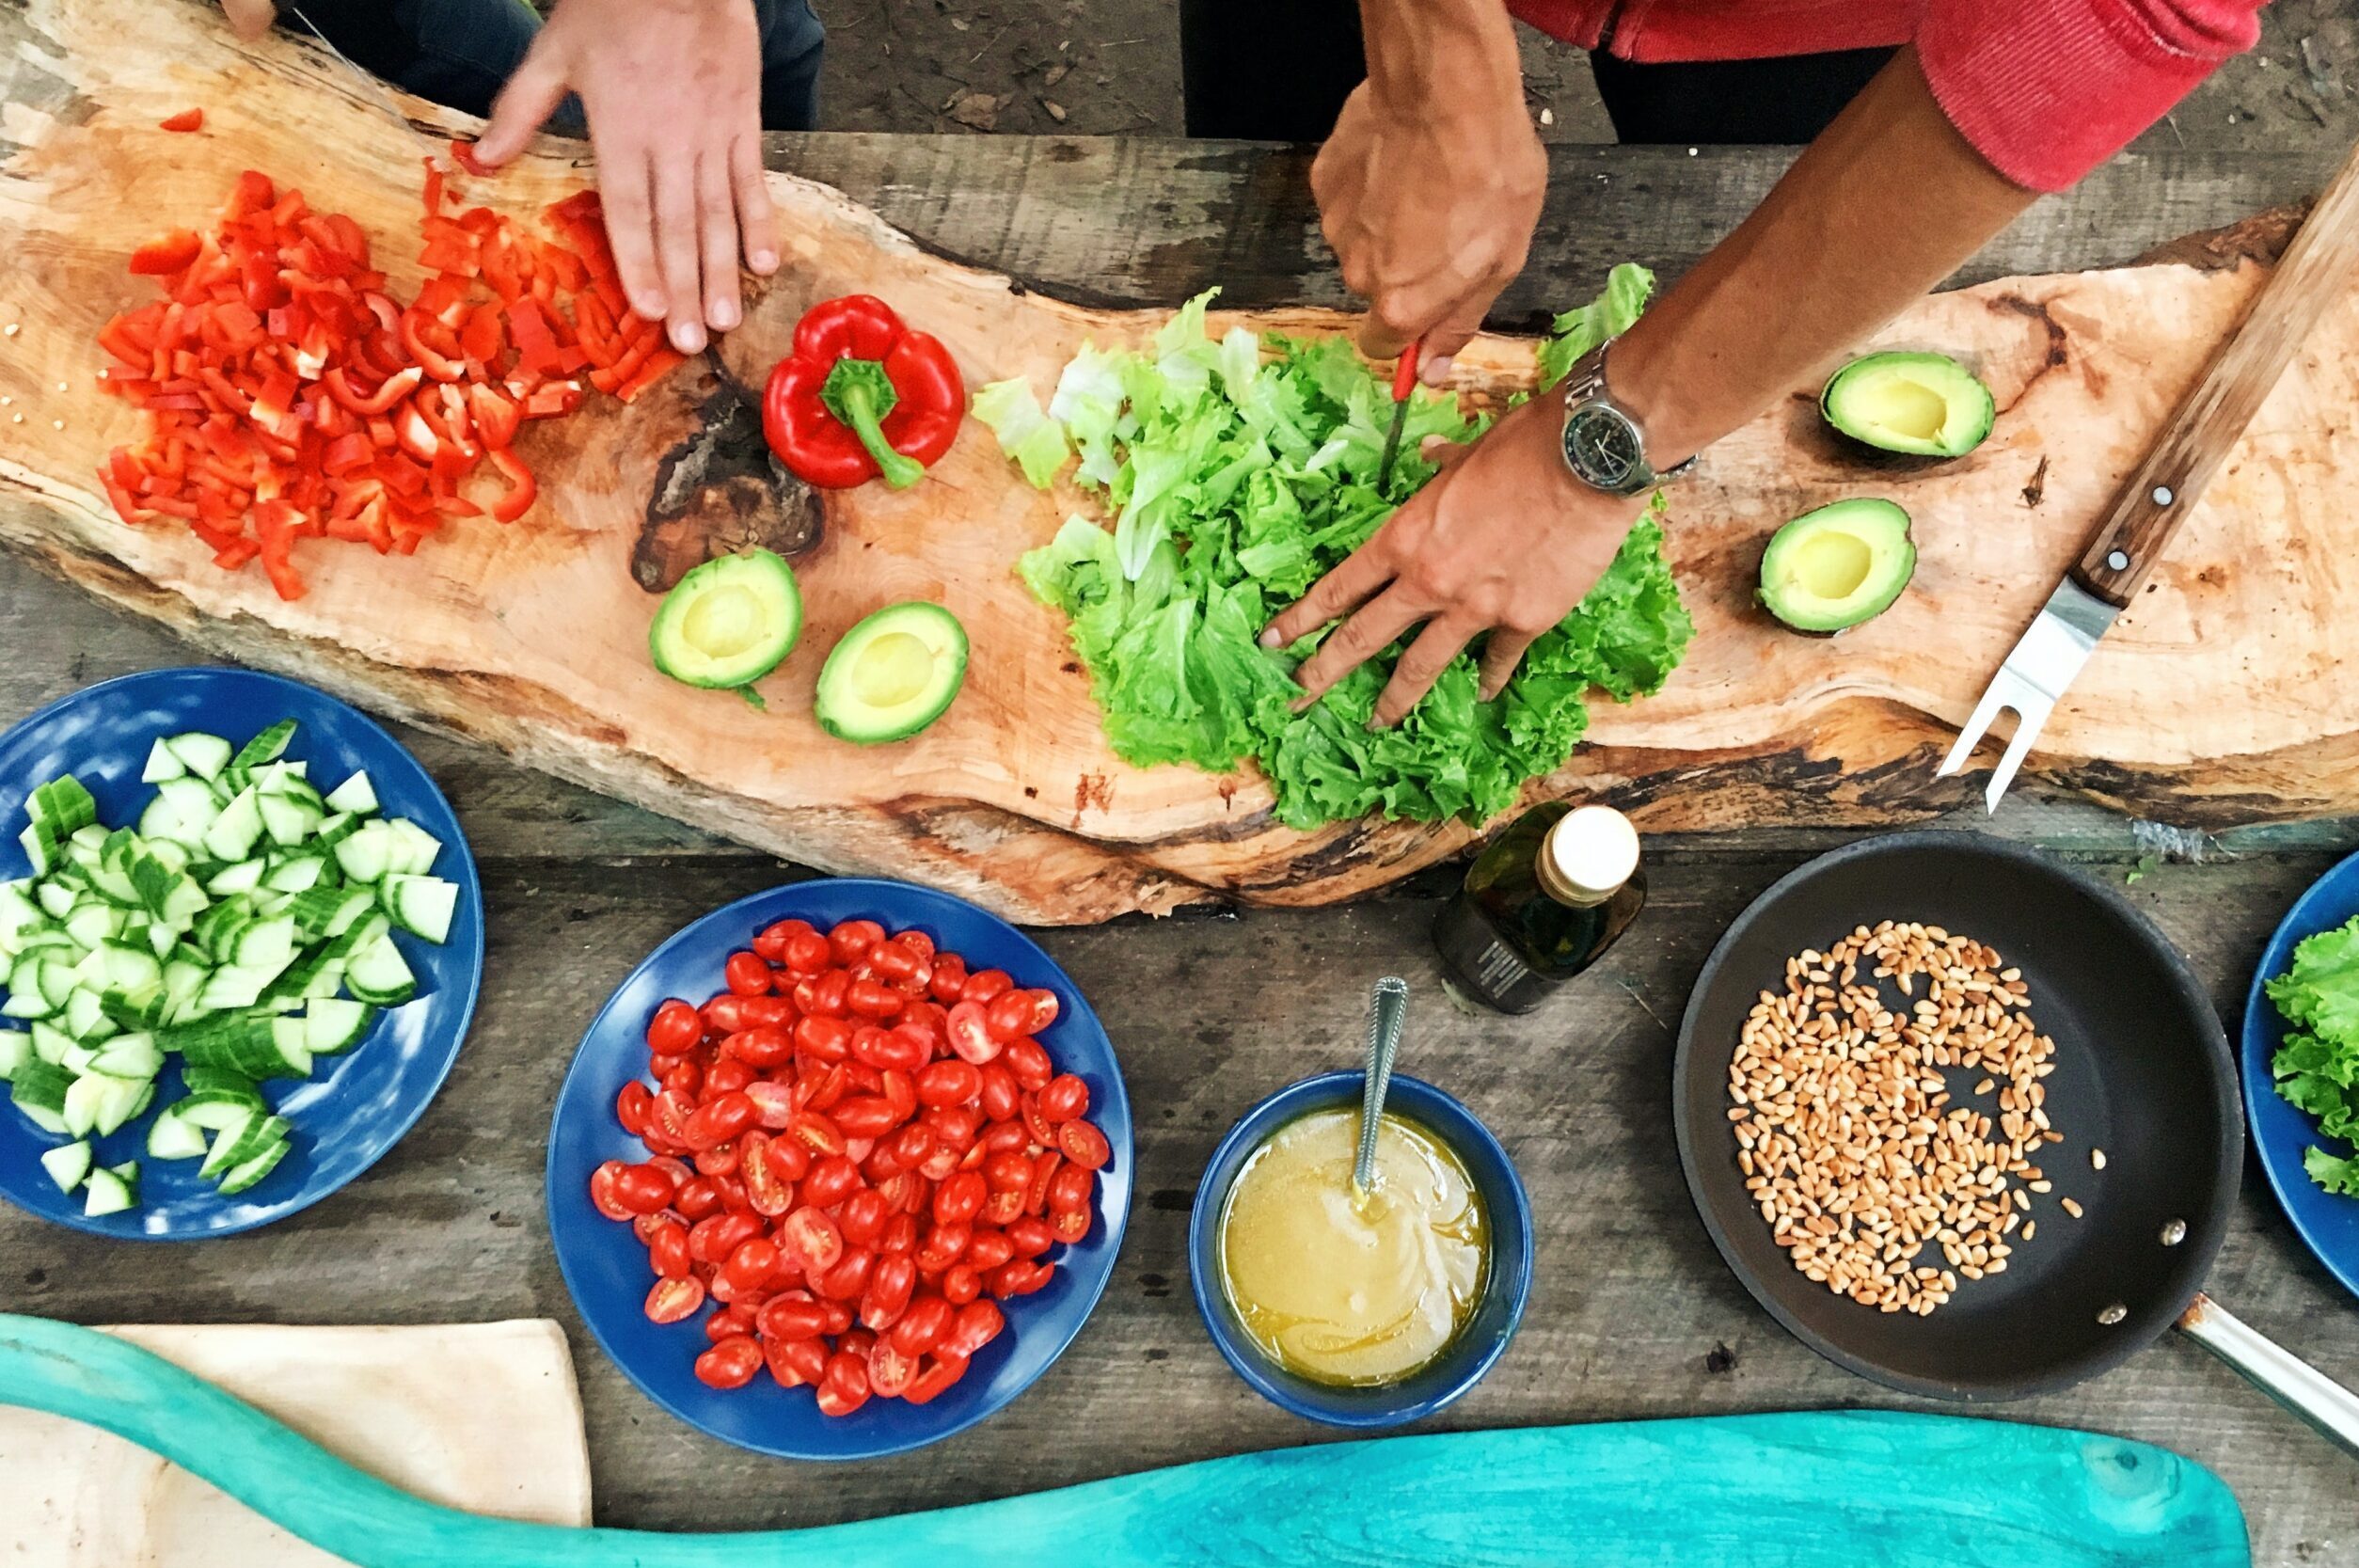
<point x="1504" y="540"/>
<point x="1430" y="206"/>
<point x="672" y="92"/>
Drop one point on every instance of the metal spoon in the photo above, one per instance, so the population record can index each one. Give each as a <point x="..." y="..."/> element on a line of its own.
<point x="1387" y="1005"/>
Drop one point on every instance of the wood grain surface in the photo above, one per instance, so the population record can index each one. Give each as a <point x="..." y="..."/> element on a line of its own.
<point x="531" y="638"/>
<point x="1633" y="1314"/>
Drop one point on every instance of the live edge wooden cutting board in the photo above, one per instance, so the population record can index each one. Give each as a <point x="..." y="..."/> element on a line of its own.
<point x="2224" y="695"/>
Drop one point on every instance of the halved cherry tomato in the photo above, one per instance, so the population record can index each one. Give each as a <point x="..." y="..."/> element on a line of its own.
<point x="603" y="1196"/>
<point x="772" y="942"/>
<point x="936" y="1379"/>
<point x="977" y="1325"/>
<point x="797" y="1362"/>
<point x="1007" y="1016"/>
<point x="762" y="1048"/>
<point x="754" y="1263"/>
<point x="730" y="1364"/>
<point x="719" y="1120"/>
<point x="1030" y="1065"/>
<point x="670" y="1300"/>
<point x="774" y="1102"/>
<point x="890" y="1373"/>
<point x="941" y="1247"/>
<point x="833" y="1179"/>
<point x="807" y="953"/>
<point x="676" y="1027"/>
<point x="962" y="1284"/>
<point x="891" y="1281"/>
<point x="791" y="1316"/>
<point x="747" y="975"/>
<point x="1064" y="1097"/>
<point x="1071" y="1187"/>
<point x="985" y="984"/>
<point x="948" y="1084"/>
<point x="989" y="1249"/>
<point x="958" y="1200"/>
<point x="849" y="1277"/>
<point x="697" y="1199"/>
<point x="666" y="1249"/>
<point x="642" y="1189"/>
<point x="632" y="1106"/>
<point x="726" y="1076"/>
<point x="845" y="1389"/>
<point x="810" y="1241"/>
<point x="970" y="1033"/>
<point x="1030" y="1237"/>
<point x="1084" y="1145"/>
<point x="828" y="1039"/>
<point x="999" y="1091"/>
<point x="850" y="939"/>
<point x="949" y="979"/>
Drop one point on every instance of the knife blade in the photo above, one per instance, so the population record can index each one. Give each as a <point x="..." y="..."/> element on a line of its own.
<point x="1404" y="381"/>
<point x="375" y="90"/>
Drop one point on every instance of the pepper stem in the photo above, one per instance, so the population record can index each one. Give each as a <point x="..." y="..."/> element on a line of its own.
<point x="859" y="393"/>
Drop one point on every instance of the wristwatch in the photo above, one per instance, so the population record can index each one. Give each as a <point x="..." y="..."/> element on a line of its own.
<point x="1603" y="444"/>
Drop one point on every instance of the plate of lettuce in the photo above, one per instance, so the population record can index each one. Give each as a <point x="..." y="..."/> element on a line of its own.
<point x="2301" y="1068"/>
<point x="1228" y="474"/>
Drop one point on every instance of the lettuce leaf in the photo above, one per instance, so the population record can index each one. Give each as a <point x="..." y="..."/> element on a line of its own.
<point x="1242" y="470"/>
<point x="1627" y="289"/>
<point x="2316" y="1069"/>
<point x="1036" y="442"/>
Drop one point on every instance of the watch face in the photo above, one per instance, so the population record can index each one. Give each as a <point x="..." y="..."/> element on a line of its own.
<point x="1604" y="448"/>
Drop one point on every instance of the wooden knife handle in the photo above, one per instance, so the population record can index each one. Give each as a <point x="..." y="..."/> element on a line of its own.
<point x="2160" y="491"/>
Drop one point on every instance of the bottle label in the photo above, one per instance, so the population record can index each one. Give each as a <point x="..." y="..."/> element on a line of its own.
<point x="1505" y="981"/>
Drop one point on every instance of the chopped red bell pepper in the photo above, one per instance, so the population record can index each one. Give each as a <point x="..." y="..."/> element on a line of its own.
<point x="463" y="154"/>
<point x="187" y="120"/>
<point x="862" y="395"/>
<point x="168" y="255"/>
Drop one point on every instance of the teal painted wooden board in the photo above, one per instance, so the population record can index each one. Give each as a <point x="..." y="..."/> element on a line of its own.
<point x="1786" y="1491"/>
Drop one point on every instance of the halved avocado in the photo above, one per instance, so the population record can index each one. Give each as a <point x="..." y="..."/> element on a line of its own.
<point x="729" y="622"/>
<point x="1921" y="404"/>
<point x="892" y="675"/>
<point x="1830" y="569"/>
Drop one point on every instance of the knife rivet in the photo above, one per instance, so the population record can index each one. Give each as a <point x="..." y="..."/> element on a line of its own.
<point x="2162" y="495"/>
<point x="2119" y="561"/>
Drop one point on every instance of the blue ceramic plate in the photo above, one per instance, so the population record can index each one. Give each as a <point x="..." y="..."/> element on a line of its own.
<point x="363" y="1100"/>
<point x="2327" y="1222"/>
<point x="605" y="1266"/>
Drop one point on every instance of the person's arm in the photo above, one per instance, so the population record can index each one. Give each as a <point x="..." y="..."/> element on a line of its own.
<point x="1882" y="207"/>
<point x="1433" y="178"/>
<point x="672" y="92"/>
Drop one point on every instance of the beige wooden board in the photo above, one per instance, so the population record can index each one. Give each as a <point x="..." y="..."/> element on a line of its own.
<point x="481" y="1417"/>
<point x="532" y="637"/>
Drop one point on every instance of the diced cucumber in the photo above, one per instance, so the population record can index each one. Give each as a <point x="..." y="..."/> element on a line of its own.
<point x="204" y="756"/>
<point x="19" y="912"/>
<point x="265" y="747"/>
<point x="25" y="998"/>
<point x="417" y="848"/>
<point x="217" y="1107"/>
<point x="246" y="1045"/>
<point x="86" y="1015"/>
<point x="378" y="973"/>
<point x="367" y="854"/>
<point x="335" y="830"/>
<point x="112" y="1191"/>
<point x="171" y="1137"/>
<point x="296" y="874"/>
<point x="419" y="905"/>
<point x="244" y="876"/>
<point x="241" y="1177"/>
<point x="40" y="847"/>
<point x="234" y="1146"/>
<point x="39" y="1090"/>
<point x="163" y="764"/>
<point x="67" y="1164"/>
<point x="131" y="1056"/>
<point x="52" y="1044"/>
<point x="130" y="970"/>
<point x="332" y="1024"/>
<point x="234" y="987"/>
<point x="99" y="1102"/>
<point x="267" y="944"/>
<point x="237" y="830"/>
<point x="356" y="795"/>
<point x="62" y="806"/>
<point x="16" y="1049"/>
<point x="287" y="819"/>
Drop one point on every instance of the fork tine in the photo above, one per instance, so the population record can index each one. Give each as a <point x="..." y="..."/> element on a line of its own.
<point x="1994" y="699"/>
<point x="2029" y="714"/>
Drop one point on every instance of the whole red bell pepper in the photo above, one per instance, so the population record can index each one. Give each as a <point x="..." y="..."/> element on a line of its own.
<point x="862" y="395"/>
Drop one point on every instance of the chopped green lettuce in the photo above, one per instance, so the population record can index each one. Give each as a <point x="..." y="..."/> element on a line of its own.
<point x="1610" y="315"/>
<point x="1036" y="442"/>
<point x="1239" y="470"/>
<point x="2316" y="1067"/>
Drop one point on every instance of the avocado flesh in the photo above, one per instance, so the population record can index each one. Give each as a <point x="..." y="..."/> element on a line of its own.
<point x="1919" y="405"/>
<point x="1830" y="569"/>
<point x="892" y="675"/>
<point x="729" y="622"/>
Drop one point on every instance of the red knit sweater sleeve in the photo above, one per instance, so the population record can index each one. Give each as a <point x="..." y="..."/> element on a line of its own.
<point x="2048" y="89"/>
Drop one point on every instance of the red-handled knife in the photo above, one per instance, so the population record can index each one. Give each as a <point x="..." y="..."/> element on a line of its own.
<point x="1404" y="380"/>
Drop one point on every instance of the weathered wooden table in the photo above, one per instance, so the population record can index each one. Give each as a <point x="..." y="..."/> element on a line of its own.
<point x="1632" y="1315"/>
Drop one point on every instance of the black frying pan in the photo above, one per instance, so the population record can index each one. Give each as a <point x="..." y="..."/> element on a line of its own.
<point x="2142" y="1072"/>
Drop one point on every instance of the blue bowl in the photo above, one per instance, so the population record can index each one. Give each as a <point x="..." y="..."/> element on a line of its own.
<point x="362" y="1101"/>
<point x="2328" y="1222"/>
<point x="605" y="1267"/>
<point x="1478" y="1345"/>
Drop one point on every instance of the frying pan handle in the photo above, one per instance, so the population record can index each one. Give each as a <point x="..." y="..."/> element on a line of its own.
<point x="2284" y="1376"/>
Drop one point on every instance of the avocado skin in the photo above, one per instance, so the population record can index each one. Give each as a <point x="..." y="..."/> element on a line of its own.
<point x="842" y="714"/>
<point x="1955" y="382"/>
<point x="762" y="573"/>
<point x="1879" y="524"/>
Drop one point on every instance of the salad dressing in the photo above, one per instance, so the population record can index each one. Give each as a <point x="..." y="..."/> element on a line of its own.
<point x="1346" y="1288"/>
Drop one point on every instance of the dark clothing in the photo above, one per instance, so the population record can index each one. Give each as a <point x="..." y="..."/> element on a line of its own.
<point x="1280" y="70"/>
<point x="460" y="53"/>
